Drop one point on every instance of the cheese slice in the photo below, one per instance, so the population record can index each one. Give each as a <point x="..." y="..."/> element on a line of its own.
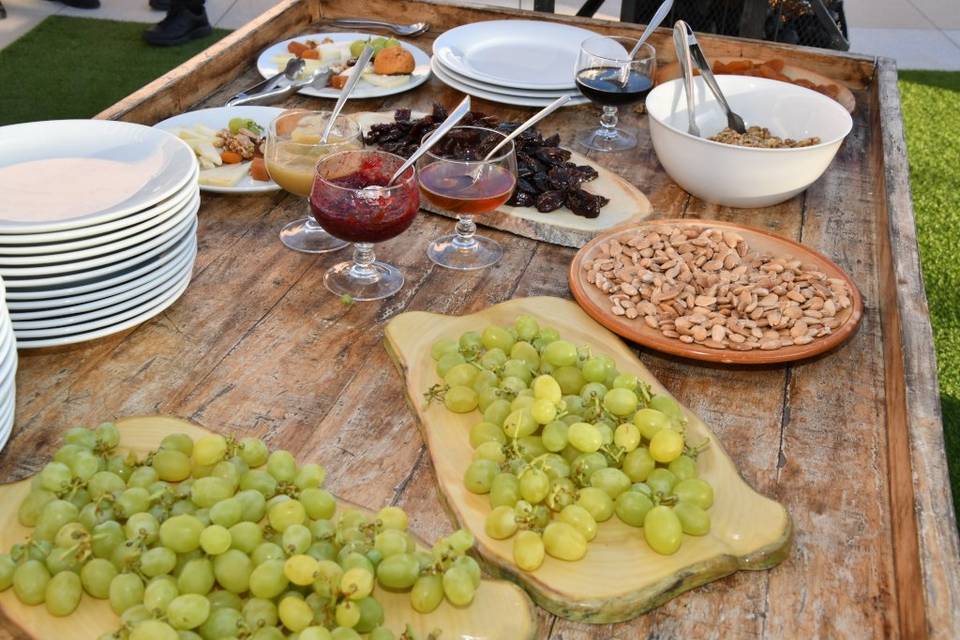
<point x="380" y="80"/>
<point x="227" y="175"/>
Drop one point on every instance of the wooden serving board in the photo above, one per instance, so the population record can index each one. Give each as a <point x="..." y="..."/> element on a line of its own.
<point x="562" y="227"/>
<point x="844" y="97"/>
<point x="596" y="304"/>
<point x="620" y="577"/>
<point x="499" y="611"/>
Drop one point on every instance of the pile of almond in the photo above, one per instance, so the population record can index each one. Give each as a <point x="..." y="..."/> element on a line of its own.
<point x="704" y="285"/>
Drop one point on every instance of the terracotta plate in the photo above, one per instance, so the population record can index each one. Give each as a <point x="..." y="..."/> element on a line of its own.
<point x="845" y="96"/>
<point x="595" y="303"/>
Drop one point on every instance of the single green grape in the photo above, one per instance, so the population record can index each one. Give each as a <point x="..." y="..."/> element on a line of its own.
<point x="458" y="586"/>
<point x="282" y="466"/>
<point x="181" y="533"/>
<point x="301" y="569"/>
<point x="516" y="368"/>
<point x="371" y="615"/>
<point x="188" y="611"/>
<point x="504" y="490"/>
<point x="171" y="465"/>
<point x="650" y="421"/>
<point x="224" y="600"/>
<point x="501" y="522"/>
<point x="286" y="513"/>
<point x="449" y="361"/>
<point x="610" y="480"/>
<point x="684" y="467"/>
<point x="232" y="570"/>
<point x="157" y="561"/>
<point x="662" y="530"/>
<point x="580" y="519"/>
<point x="528" y="550"/>
<point x="260" y="481"/>
<point x="494" y="337"/>
<point x="253" y="506"/>
<point x="461" y="375"/>
<point x="470" y="341"/>
<point x="638" y="464"/>
<point x="620" y="402"/>
<point x="126" y="590"/>
<point x="294" y="613"/>
<point x="159" y="593"/>
<point x="460" y="399"/>
<point x="209" y="449"/>
<point x="347" y="614"/>
<point x="427" y="593"/>
<point x="221" y="623"/>
<point x="585" y="437"/>
<point x="62" y="593"/>
<point x="666" y="445"/>
<point x="196" y="576"/>
<point x="595" y="370"/>
<point x="259" y="612"/>
<point x="626" y="381"/>
<point x="694" y="491"/>
<point x="632" y="507"/>
<point x="32" y="506"/>
<point x="560" y="353"/>
<point x="555" y="436"/>
<point x="661" y="480"/>
<point x="269" y="579"/>
<point x="693" y="520"/>
<point x="526" y="327"/>
<point x="178" y="442"/>
<point x="563" y="541"/>
<point x="534" y="485"/>
<point x="597" y="502"/>
<point x="442" y="346"/>
<point x="479" y="476"/>
<point x="570" y="379"/>
<point x="96" y="575"/>
<point x="627" y="436"/>
<point x="399" y="571"/>
<point x="153" y="630"/>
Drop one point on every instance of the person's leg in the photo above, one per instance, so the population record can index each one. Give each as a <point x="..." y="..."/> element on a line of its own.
<point x="82" y="4"/>
<point x="185" y="21"/>
<point x="160" y="5"/>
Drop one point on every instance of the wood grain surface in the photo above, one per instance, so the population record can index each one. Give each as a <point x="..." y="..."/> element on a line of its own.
<point x="596" y="303"/>
<point x="851" y="444"/>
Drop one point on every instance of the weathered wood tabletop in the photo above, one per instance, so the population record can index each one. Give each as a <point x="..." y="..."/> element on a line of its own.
<point x="851" y="443"/>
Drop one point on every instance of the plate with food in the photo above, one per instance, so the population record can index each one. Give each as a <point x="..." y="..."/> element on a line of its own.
<point x="228" y="143"/>
<point x="562" y="197"/>
<point x="715" y="291"/>
<point x="773" y="69"/>
<point x="396" y="66"/>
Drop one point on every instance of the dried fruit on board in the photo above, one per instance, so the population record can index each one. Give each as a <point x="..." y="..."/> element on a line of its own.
<point x="546" y="179"/>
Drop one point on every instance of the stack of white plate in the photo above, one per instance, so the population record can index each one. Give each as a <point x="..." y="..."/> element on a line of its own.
<point x="98" y="223"/>
<point x="8" y="372"/>
<point x="518" y="62"/>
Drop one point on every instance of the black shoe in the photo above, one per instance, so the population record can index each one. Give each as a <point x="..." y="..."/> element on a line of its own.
<point x="160" y="5"/>
<point x="82" y="4"/>
<point x="180" y="26"/>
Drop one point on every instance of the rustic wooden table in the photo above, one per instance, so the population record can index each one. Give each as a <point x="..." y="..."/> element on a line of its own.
<point x="851" y="443"/>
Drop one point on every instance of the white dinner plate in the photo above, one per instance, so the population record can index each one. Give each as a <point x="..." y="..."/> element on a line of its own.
<point x="6" y="419"/>
<point x="109" y="249"/>
<point x="46" y="295"/>
<point x="53" y="242"/>
<point x="153" y="292"/>
<point x="68" y="335"/>
<point x="499" y="97"/>
<point x="267" y="67"/>
<point x="43" y="309"/>
<point x="63" y="174"/>
<point x="525" y="54"/>
<point x="9" y="363"/>
<point x="64" y="273"/>
<point x="218" y="118"/>
<point x="436" y="62"/>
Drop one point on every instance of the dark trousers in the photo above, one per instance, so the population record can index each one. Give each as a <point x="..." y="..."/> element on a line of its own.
<point x="195" y="6"/>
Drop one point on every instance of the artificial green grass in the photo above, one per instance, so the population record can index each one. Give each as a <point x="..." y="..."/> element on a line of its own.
<point x="68" y="67"/>
<point x="931" y="113"/>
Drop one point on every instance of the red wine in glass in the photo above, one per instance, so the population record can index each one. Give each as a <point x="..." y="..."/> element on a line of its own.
<point x="604" y="85"/>
<point x="453" y="188"/>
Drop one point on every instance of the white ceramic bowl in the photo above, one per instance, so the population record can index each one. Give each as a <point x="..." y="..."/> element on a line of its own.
<point x="743" y="176"/>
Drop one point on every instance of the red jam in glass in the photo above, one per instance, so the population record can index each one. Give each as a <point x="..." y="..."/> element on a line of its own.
<point x="348" y="211"/>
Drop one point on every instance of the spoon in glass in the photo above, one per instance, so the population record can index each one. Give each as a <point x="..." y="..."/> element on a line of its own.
<point x="358" y="68"/>
<point x="455" y="116"/>
<point x="655" y="21"/>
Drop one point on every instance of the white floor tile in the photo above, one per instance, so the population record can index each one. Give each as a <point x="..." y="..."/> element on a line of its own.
<point x="887" y="14"/>
<point x="953" y="34"/>
<point x="945" y="14"/>
<point x="911" y="48"/>
<point x="243" y="11"/>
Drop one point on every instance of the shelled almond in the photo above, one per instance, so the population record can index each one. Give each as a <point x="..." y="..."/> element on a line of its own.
<point x="706" y="286"/>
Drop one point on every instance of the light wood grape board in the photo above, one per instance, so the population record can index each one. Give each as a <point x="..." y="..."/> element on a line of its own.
<point x="500" y="611"/>
<point x="620" y="577"/>
<point x="563" y="227"/>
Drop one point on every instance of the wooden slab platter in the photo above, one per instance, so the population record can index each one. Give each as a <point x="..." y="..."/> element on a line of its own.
<point x="499" y="611"/>
<point x="561" y="227"/>
<point x="596" y="304"/>
<point x="620" y="577"/>
<point x="844" y="96"/>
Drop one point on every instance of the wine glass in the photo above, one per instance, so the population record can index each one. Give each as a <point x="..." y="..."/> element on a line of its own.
<point x="455" y="177"/>
<point x="606" y="76"/>
<point x="350" y="200"/>
<point x="292" y="150"/>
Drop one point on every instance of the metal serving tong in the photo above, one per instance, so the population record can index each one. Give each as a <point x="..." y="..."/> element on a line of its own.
<point x="273" y="89"/>
<point x="734" y="121"/>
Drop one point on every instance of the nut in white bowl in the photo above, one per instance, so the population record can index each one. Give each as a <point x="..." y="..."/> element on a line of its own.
<point x="748" y="177"/>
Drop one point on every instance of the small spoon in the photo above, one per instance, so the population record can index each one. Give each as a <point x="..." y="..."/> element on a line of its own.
<point x="655" y="21"/>
<point x="358" y="68"/>
<point x="683" y="57"/>
<point x="734" y="121"/>
<point x="455" y="116"/>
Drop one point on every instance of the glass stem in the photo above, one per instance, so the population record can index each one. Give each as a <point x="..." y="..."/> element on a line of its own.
<point x="363" y="259"/>
<point x="466" y="230"/>
<point x="609" y="121"/>
<point x="311" y="224"/>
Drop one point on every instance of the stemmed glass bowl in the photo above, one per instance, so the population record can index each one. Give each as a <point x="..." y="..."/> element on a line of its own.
<point x="292" y="151"/>
<point x="351" y="201"/>
<point x="455" y="177"/>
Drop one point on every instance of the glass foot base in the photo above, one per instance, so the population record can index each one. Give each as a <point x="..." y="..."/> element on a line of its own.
<point x="342" y="279"/>
<point x="300" y="236"/>
<point x="449" y="253"/>
<point x="600" y="139"/>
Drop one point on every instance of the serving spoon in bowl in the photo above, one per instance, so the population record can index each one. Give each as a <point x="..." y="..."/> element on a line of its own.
<point x="734" y="121"/>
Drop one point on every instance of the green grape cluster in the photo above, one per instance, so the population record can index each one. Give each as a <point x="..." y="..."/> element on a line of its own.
<point x="219" y="538"/>
<point x="566" y="442"/>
